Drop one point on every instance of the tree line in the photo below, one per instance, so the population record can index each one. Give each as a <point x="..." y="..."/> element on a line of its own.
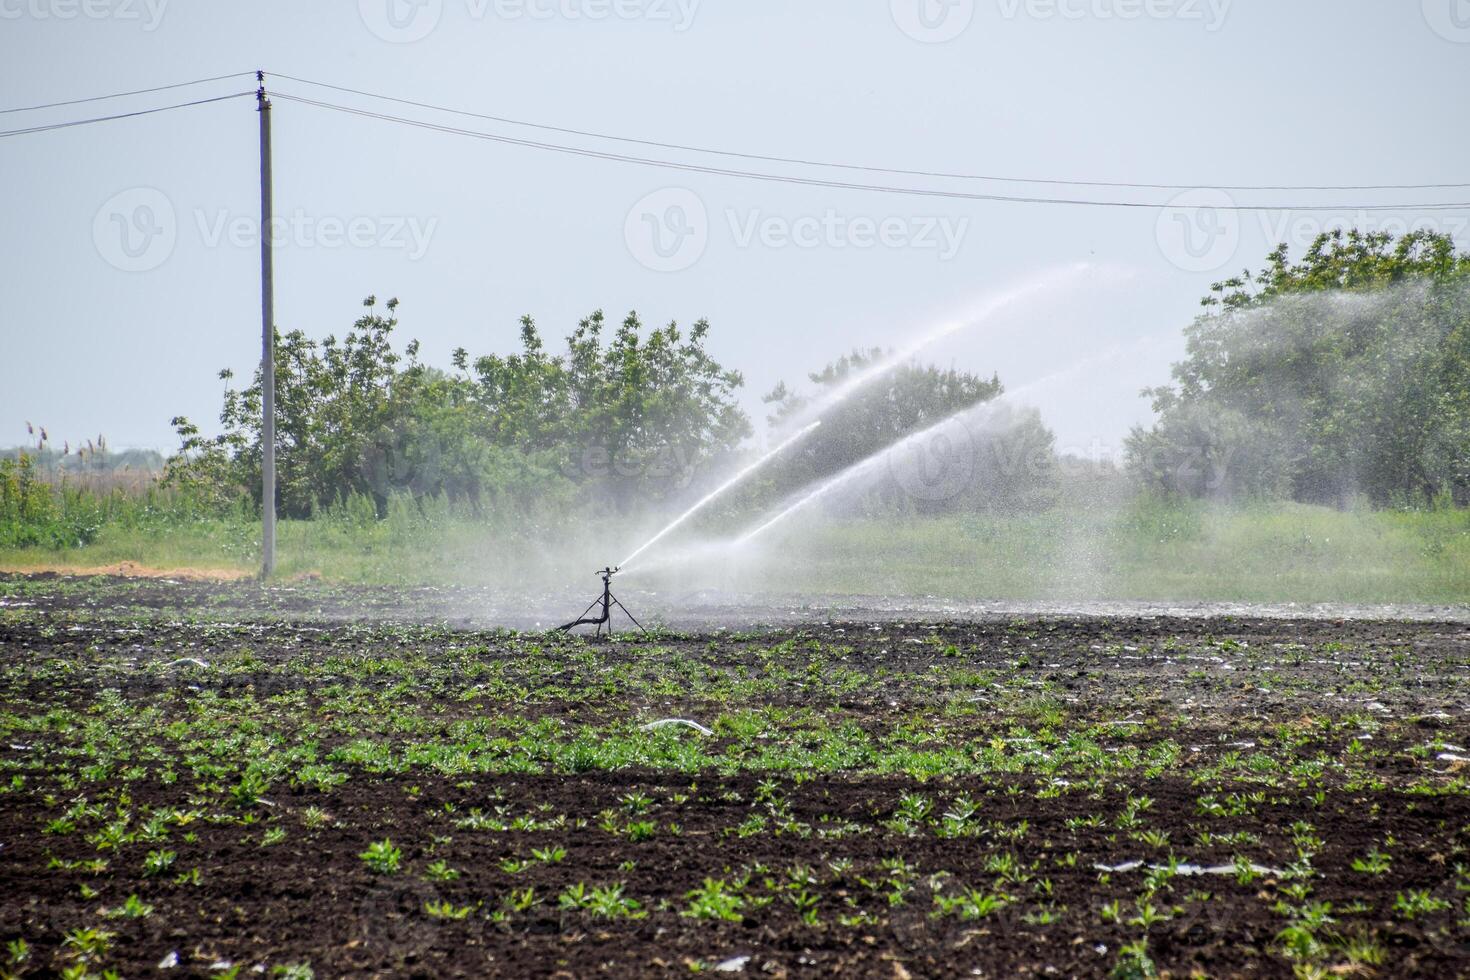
<point x="1346" y="373"/>
<point x="622" y="417"/>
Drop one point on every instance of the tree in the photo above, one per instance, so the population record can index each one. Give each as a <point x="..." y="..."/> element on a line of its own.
<point x="635" y="418"/>
<point x="354" y="417"/>
<point x="1345" y="373"/>
<point x="995" y="458"/>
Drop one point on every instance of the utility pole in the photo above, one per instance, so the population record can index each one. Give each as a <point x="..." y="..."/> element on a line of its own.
<point x="267" y="345"/>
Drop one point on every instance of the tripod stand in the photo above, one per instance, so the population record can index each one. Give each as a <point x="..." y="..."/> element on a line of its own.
<point x="607" y="600"/>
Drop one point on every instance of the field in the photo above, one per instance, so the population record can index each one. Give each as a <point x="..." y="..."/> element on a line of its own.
<point x="1114" y="549"/>
<point x="227" y="781"/>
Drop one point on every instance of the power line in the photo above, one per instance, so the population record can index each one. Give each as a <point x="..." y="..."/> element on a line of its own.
<point x="121" y="115"/>
<point x="844" y="185"/>
<point x="119" y="95"/>
<point x="730" y="172"/>
<point x="1130" y="185"/>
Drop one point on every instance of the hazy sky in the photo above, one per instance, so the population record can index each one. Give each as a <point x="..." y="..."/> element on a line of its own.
<point x="130" y="253"/>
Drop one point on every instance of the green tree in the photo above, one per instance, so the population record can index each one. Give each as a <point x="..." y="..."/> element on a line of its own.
<point x="986" y="459"/>
<point x="1347" y="372"/>
<point x="354" y="417"/>
<point x="636" y="418"/>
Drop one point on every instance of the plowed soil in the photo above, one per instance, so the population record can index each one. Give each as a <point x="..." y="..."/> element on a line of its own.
<point x="1066" y="796"/>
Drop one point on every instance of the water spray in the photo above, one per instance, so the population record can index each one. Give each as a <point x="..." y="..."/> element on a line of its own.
<point x="964" y="416"/>
<point x="716" y="492"/>
<point x="607" y="600"/>
<point x="994" y="305"/>
<point x="990" y="308"/>
<point x="844" y="477"/>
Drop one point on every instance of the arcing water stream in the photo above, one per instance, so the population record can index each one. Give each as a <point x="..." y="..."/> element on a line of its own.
<point x="858" y="469"/>
<point x="965" y="420"/>
<point x="1029" y="289"/>
<point x="717" y="491"/>
<point x="1036" y="286"/>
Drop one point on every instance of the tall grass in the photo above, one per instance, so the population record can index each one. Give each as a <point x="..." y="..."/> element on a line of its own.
<point x="59" y="511"/>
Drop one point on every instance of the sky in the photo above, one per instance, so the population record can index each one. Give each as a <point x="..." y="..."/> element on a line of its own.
<point x="130" y="248"/>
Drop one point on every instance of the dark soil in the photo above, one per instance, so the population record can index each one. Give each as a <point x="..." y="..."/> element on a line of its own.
<point x="1333" y="738"/>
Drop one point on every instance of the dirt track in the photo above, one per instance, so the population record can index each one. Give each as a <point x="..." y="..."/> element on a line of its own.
<point x="183" y="592"/>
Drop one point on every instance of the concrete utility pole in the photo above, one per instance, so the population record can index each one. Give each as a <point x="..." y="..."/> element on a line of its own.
<point x="267" y="346"/>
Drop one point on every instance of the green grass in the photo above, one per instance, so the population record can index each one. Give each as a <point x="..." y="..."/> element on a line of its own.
<point x="1143" y="549"/>
<point x="1147" y="550"/>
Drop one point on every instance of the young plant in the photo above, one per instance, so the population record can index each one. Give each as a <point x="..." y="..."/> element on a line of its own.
<point x="1416" y="902"/>
<point x="446" y="910"/>
<point x="714" y="899"/>
<point x="608" y="902"/>
<point x="133" y="908"/>
<point x="440" y="871"/>
<point x="382" y="857"/>
<point x="157" y="862"/>
<point x="1375" y="862"/>
<point x="88" y="944"/>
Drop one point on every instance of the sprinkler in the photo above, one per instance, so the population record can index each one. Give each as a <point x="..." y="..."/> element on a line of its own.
<point x="607" y="600"/>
